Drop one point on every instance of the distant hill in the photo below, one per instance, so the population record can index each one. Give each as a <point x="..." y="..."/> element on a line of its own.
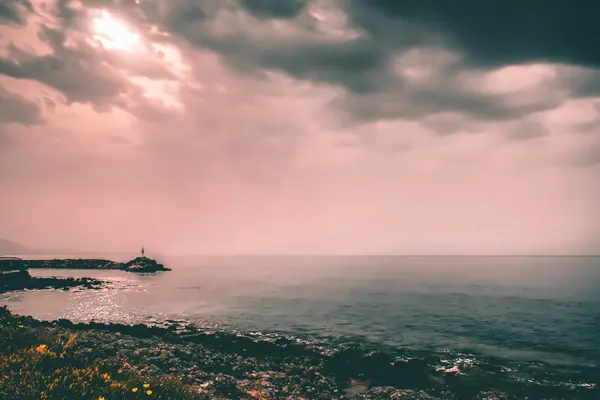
<point x="8" y="247"/>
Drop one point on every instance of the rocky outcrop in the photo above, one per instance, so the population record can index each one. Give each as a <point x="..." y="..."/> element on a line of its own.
<point x="21" y="280"/>
<point x="70" y="263"/>
<point x="139" y="264"/>
<point x="143" y="264"/>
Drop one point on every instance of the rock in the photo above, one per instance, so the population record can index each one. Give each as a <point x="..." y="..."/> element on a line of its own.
<point x="22" y="280"/>
<point x="16" y="280"/>
<point x="64" y="323"/>
<point x="226" y="385"/>
<point x="356" y="388"/>
<point x="412" y="373"/>
<point x="139" y="264"/>
<point x="346" y="362"/>
<point x="71" y="264"/>
<point x="143" y="264"/>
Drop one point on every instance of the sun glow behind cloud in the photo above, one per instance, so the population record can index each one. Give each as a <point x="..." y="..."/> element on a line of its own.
<point x="113" y="33"/>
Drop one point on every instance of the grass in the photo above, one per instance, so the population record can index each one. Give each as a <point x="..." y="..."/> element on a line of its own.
<point x="42" y="363"/>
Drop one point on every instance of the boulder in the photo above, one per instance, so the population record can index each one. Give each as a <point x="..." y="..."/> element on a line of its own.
<point x="143" y="264"/>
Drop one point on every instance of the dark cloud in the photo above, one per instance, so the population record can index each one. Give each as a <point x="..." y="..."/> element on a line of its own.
<point x="352" y="64"/>
<point x="67" y="16"/>
<point x="496" y="33"/>
<point x="585" y="82"/>
<point x="483" y="36"/>
<point x="349" y="63"/>
<point x="11" y="11"/>
<point x="76" y="72"/>
<point x="364" y="64"/>
<point x="179" y="17"/>
<point x="79" y="78"/>
<point x="275" y="8"/>
<point x="300" y="56"/>
<point x="488" y="36"/>
<point x="14" y="108"/>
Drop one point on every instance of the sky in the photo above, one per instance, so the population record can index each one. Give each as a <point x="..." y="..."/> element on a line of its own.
<point x="301" y="126"/>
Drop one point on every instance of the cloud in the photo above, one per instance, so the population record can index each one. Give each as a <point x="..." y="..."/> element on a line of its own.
<point x="248" y="43"/>
<point x="12" y="11"/>
<point x="493" y="35"/>
<point x="383" y="43"/>
<point x="77" y="65"/>
<point x="373" y="57"/>
<point x="275" y="8"/>
<point x="272" y="126"/>
<point x="77" y="73"/>
<point x="14" y="108"/>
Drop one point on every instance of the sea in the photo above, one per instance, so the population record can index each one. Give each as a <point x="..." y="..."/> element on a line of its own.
<point x="532" y="320"/>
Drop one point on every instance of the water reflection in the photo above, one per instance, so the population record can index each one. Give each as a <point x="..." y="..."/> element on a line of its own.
<point x="547" y="306"/>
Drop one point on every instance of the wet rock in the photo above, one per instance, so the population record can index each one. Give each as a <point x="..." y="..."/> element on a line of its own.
<point x="412" y="373"/>
<point x="346" y="362"/>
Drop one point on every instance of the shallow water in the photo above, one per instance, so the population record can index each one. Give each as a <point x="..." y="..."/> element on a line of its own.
<point x="536" y="318"/>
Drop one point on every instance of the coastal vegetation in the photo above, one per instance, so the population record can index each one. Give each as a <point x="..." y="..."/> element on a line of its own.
<point x="42" y="363"/>
<point x="61" y="359"/>
<point x="64" y="360"/>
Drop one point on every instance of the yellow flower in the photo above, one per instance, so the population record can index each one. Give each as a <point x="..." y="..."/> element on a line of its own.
<point x="134" y="390"/>
<point x="41" y="348"/>
<point x="21" y="326"/>
<point x="101" y="398"/>
<point x="106" y="377"/>
<point x="148" y="392"/>
<point x="120" y="371"/>
<point x="146" y="385"/>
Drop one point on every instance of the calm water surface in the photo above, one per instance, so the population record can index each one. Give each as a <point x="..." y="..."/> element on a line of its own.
<point x="519" y="311"/>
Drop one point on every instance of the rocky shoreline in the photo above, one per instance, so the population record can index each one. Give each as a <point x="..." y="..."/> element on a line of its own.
<point x="225" y="365"/>
<point x="217" y="365"/>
